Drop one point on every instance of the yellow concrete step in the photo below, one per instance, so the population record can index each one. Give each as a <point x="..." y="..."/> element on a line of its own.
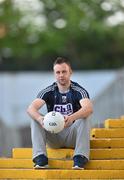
<point x="62" y="164"/>
<point x="114" y="123"/>
<point x="52" y="153"/>
<point x="107" y="143"/>
<point x="114" y="153"/>
<point x="94" y="143"/>
<point x="61" y="174"/>
<point x="107" y="133"/>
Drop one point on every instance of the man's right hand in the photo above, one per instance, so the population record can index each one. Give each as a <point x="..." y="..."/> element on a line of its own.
<point x="40" y="120"/>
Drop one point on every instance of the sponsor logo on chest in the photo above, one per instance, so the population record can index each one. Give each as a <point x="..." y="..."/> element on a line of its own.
<point x="65" y="109"/>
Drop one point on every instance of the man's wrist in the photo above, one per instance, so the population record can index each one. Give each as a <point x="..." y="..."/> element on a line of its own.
<point x="40" y="119"/>
<point x="72" y="118"/>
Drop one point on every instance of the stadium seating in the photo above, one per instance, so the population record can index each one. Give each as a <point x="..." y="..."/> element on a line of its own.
<point x="106" y="158"/>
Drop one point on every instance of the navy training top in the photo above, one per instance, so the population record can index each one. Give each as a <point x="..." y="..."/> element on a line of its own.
<point x="65" y="103"/>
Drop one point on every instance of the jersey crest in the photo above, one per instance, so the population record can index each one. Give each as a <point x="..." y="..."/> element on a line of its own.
<point x="64" y="99"/>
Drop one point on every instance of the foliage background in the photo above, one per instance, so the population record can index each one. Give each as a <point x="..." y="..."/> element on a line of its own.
<point x="88" y="32"/>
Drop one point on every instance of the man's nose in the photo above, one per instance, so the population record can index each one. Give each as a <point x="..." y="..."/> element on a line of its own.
<point x="61" y="74"/>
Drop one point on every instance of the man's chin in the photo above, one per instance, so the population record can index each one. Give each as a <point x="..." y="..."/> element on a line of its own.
<point x="62" y="83"/>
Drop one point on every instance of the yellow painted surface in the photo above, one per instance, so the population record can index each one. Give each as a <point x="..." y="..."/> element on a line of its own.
<point x="62" y="174"/>
<point x="106" y="158"/>
<point x="107" y="133"/>
<point x="62" y="164"/>
<point x="43" y="179"/>
<point x="107" y="143"/>
<point x="15" y="163"/>
<point x="52" y="153"/>
<point x="22" y="153"/>
<point x="94" y="143"/>
<point x="107" y="153"/>
<point x="114" y="123"/>
<point x="65" y="153"/>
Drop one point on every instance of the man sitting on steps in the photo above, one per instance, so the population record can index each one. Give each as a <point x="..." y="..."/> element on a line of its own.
<point x="76" y="134"/>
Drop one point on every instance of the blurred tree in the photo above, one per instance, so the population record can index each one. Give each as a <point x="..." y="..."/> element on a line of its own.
<point x="34" y="33"/>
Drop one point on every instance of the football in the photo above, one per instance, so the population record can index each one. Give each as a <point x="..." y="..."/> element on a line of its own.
<point x="54" y="122"/>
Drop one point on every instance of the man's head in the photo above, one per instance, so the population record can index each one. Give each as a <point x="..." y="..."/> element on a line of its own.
<point x="61" y="60"/>
<point x="62" y="70"/>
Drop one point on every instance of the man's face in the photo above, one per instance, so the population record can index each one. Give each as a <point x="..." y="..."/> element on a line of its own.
<point x="62" y="73"/>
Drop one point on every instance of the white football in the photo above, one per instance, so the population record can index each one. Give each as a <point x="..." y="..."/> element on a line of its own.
<point x="54" y="122"/>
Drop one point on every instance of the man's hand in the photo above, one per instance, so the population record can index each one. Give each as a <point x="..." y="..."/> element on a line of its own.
<point x="68" y="121"/>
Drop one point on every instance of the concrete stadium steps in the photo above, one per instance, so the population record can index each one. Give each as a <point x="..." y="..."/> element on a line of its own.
<point x="106" y="158"/>
<point x="107" y="133"/>
<point x="114" y="123"/>
<point x="61" y="174"/>
<point x="106" y="153"/>
<point x="100" y="143"/>
<point x="97" y="143"/>
<point x="9" y="163"/>
<point x="114" y="128"/>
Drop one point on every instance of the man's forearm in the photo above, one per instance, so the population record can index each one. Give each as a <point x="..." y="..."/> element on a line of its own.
<point x="34" y="114"/>
<point x="81" y="113"/>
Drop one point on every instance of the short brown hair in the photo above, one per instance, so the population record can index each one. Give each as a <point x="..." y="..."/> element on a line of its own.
<point x="61" y="60"/>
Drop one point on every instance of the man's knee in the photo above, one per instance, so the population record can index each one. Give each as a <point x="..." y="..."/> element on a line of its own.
<point x="84" y="123"/>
